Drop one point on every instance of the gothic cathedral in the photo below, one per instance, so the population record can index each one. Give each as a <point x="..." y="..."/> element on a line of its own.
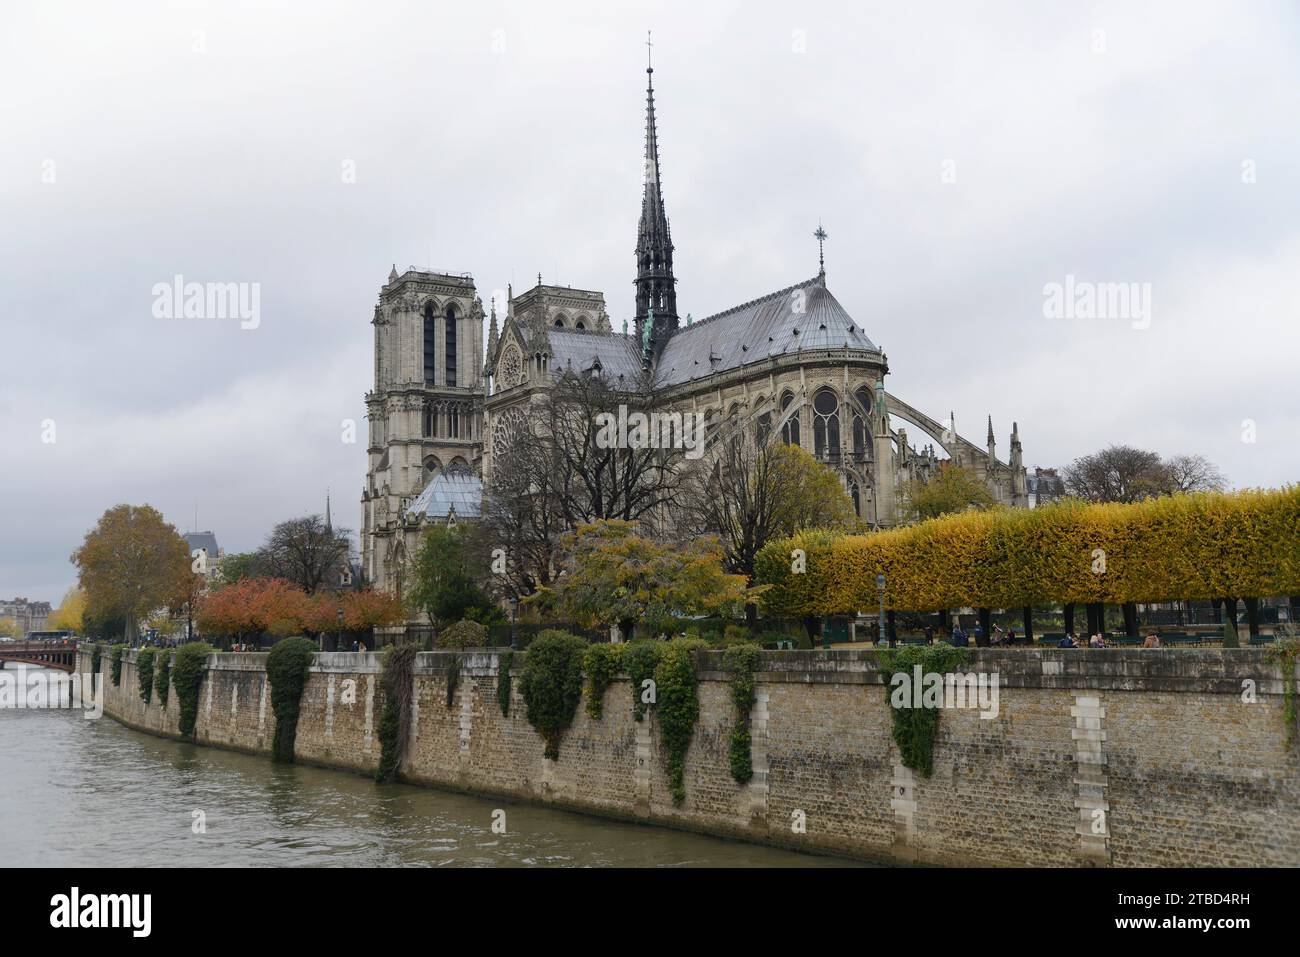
<point x="792" y="363"/>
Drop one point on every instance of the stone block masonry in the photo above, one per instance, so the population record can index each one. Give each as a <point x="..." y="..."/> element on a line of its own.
<point x="1121" y="757"/>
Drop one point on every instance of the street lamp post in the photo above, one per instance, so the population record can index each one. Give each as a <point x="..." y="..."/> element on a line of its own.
<point x="880" y="587"/>
<point x="514" y="607"/>
<point x="340" y="631"/>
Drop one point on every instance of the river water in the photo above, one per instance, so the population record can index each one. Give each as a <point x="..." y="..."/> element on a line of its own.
<point x="77" y="792"/>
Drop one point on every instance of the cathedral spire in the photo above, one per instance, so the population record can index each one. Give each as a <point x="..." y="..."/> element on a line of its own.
<point x="656" y="297"/>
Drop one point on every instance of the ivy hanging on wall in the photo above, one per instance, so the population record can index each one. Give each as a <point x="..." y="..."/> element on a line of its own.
<point x="741" y="661"/>
<point x="551" y="685"/>
<point x="115" y="657"/>
<point x="601" y="662"/>
<point x="915" y="728"/>
<point x="287" y="666"/>
<point x="96" y="656"/>
<point x="640" y="658"/>
<point x="187" y="675"/>
<point x="505" y="661"/>
<point x="144" y="672"/>
<point x="397" y="683"/>
<point x="678" y="707"/>
<point x="162" y="676"/>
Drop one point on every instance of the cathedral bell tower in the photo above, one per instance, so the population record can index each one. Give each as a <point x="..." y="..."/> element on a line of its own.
<point x="656" y="294"/>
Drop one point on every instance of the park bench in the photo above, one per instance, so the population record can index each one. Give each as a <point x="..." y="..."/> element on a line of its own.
<point x="1262" y="639"/>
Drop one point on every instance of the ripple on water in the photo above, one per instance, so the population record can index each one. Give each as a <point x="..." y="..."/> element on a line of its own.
<point x="93" y="793"/>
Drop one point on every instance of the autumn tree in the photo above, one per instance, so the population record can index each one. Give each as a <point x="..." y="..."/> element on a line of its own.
<point x="68" y="616"/>
<point x="8" y="628"/>
<point x="951" y="489"/>
<point x="613" y="576"/>
<point x="131" y="563"/>
<point x="251" y="607"/>
<point x="306" y="551"/>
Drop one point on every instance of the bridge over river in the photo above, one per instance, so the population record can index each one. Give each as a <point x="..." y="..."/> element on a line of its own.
<point x="61" y="655"/>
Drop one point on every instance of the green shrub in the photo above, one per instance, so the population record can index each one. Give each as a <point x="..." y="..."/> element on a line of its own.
<point x="601" y="663"/>
<point x="463" y="634"/>
<point x="915" y="728"/>
<point x="116" y="660"/>
<point x="741" y="661"/>
<point x="736" y="635"/>
<point x="678" y="708"/>
<point x="1283" y="653"/>
<point x="162" y="677"/>
<point x="551" y="684"/>
<point x="640" y="658"/>
<point x="395" y="719"/>
<point x="187" y="675"/>
<point x="504" y="663"/>
<point x="144" y="672"/>
<point x="287" y="666"/>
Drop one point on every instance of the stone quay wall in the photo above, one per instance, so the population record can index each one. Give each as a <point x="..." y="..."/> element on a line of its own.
<point x="1117" y="757"/>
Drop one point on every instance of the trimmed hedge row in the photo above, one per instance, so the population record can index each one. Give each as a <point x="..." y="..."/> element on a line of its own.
<point x="1200" y="546"/>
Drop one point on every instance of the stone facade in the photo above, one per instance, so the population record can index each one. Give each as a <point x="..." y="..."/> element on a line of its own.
<point x="425" y="412"/>
<point x="29" y="616"/>
<point x="1182" y="770"/>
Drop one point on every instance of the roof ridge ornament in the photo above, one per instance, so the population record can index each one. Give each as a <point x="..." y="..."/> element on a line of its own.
<point x="821" y="236"/>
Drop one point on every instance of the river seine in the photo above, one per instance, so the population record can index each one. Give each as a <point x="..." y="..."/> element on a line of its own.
<point x="77" y="792"/>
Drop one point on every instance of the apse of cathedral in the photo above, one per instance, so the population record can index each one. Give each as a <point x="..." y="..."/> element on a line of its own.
<point x="792" y="363"/>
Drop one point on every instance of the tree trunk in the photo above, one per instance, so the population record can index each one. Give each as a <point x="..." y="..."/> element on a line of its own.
<point x="751" y="616"/>
<point x="1230" y="623"/>
<point x="986" y="624"/>
<point x="626" y="628"/>
<point x="1069" y="618"/>
<point x="890" y="631"/>
<point x="1252" y="616"/>
<point x="1217" y="605"/>
<point x="1029" y="624"/>
<point x="1130" y="619"/>
<point x="813" y="625"/>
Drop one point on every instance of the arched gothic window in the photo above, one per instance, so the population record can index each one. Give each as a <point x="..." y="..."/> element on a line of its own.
<point x="789" y="431"/>
<point x="861" y="432"/>
<point x="826" y="425"/>
<point x="430" y="344"/>
<point x="856" y="495"/>
<point x="451" y="346"/>
<point x="430" y="421"/>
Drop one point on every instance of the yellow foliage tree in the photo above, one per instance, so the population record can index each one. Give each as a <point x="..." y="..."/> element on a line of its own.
<point x="1193" y="546"/>
<point x="68" y="616"/>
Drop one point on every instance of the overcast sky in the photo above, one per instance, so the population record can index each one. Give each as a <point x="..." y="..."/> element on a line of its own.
<point x="961" y="156"/>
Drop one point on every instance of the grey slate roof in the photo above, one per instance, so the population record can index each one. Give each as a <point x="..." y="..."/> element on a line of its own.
<point x="756" y="330"/>
<point x="451" y="488"/>
<point x="198" y="540"/>
<point x="751" y="332"/>
<point x="577" y="350"/>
